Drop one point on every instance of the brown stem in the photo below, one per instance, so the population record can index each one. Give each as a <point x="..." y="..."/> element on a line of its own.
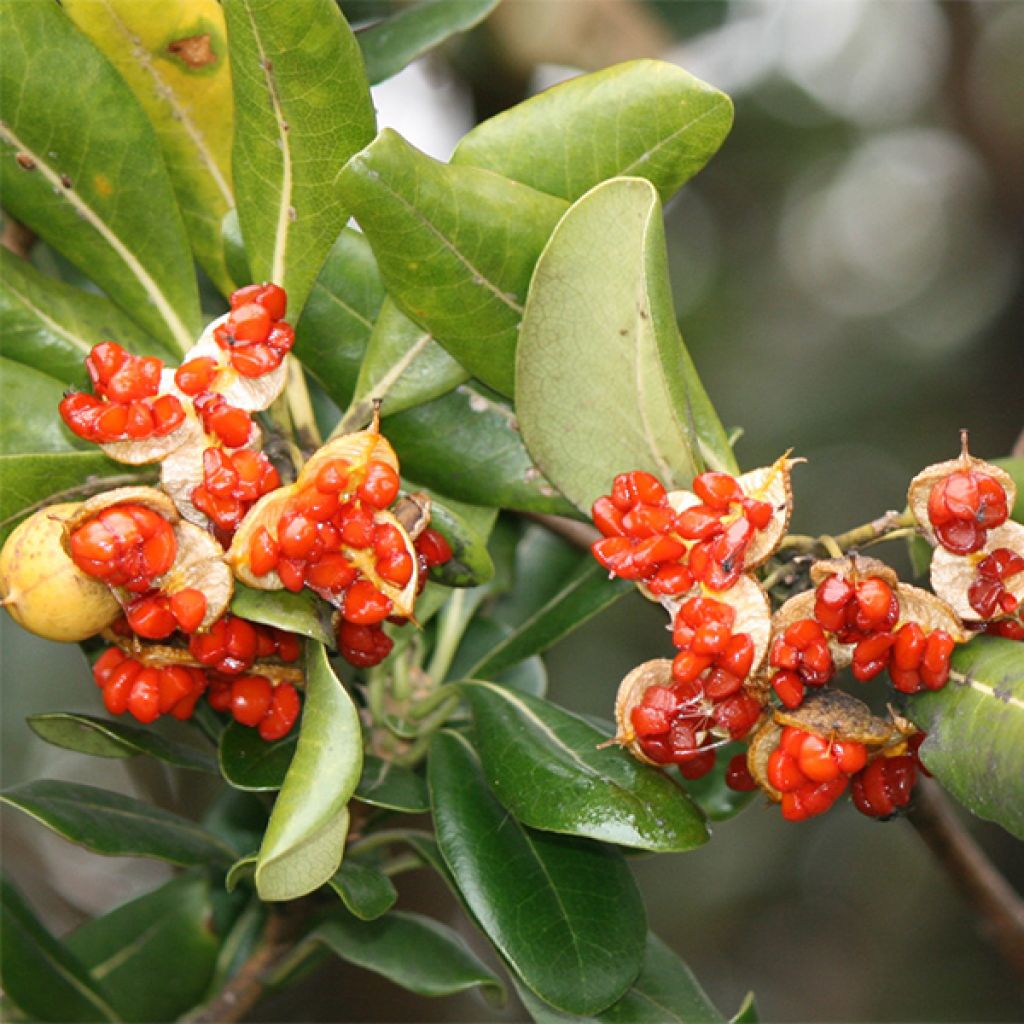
<point x="999" y="909"/>
<point x="246" y="987"/>
<point x="16" y="237"/>
<point x="1018" y="447"/>
<point x="580" y="534"/>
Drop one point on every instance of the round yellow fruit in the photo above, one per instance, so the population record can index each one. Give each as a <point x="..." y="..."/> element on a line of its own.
<point x="44" y="591"/>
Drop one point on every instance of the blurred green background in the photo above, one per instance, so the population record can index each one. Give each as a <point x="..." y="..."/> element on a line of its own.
<point x="848" y="277"/>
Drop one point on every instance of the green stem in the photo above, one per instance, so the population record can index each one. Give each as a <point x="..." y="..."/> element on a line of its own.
<point x="424" y="707"/>
<point x="451" y="626"/>
<point x="400" y="864"/>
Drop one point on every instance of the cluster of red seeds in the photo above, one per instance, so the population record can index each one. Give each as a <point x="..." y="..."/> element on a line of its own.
<point x="963" y="507"/>
<point x="231" y="426"/>
<point x="802" y="656"/>
<point x="147" y="693"/>
<point x="254" y="701"/>
<point x="885" y="785"/>
<point x="254" y="334"/>
<point x="232" y="645"/>
<point x="988" y="595"/>
<point x="125" y="545"/>
<point x="232" y="483"/>
<point x="126" y="405"/>
<point x="706" y="704"/>
<point x="811" y="772"/>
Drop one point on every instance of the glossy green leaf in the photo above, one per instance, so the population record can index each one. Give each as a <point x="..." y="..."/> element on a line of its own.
<point x="89" y="177"/>
<point x="41" y="975"/>
<point x="470" y="564"/>
<point x="29" y="421"/>
<point x="115" y="825"/>
<point x="392" y="786"/>
<point x="393" y="42"/>
<point x="403" y="367"/>
<point x="975" y="726"/>
<point x="747" y="1013"/>
<point x="305" y="837"/>
<point x="366" y="892"/>
<point x="1015" y="467"/>
<point x="332" y="335"/>
<point x="241" y="871"/>
<point x="174" y="58"/>
<point x="297" y="613"/>
<point x="485" y="635"/>
<point x="302" y="108"/>
<point x="603" y="381"/>
<point x="583" y="596"/>
<point x="466" y="445"/>
<point x="101" y="737"/>
<point x="27" y="481"/>
<point x="711" y="793"/>
<point x="563" y="912"/>
<point x="248" y="762"/>
<point x="643" y="118"/>
<point x="240" y="943"/>
<point x="455" y="246"/>
<point x="665" y="992"/>
<point x="413" y="951"/>
<point x="238" y="818"/>
<point x="235" y="259"/>
<point x="547" y="766"/>
<point x="130" y="949"/>
<point x="52" y="326"/>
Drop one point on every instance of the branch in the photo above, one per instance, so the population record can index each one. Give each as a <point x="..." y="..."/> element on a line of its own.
<point x="999" y="909"/>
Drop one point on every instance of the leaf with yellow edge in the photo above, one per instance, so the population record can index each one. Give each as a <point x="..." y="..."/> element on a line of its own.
<point x="174" y="58"/>
<point x="305" y="838"/>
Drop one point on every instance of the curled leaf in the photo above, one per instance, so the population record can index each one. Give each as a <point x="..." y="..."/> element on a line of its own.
<point x="952" y="575"/>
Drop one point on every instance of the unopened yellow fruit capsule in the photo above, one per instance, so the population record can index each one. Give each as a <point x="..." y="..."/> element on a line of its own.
<point x="44" y="591"/>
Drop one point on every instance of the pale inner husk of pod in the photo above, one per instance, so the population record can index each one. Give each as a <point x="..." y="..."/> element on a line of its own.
<point x="930" y="612"/>
<point x="148" y="497"/>
<point x="413" y="513"/>
<point x="253" y="394"/>
<point x="358" y="449"/>
<point x="266" y="513"/>
<point x="833" y="714"/>
<point x="657" y="672"/>
<point x="160" y="655"/>
<point x="767" y="483"/>
<point x="853" y="568"/>
<point x="182" y="471"/>
<point x="200" y="565"/>
<point x="802" y="607"/>
<point x="753" y="612"/>
<point x="762" y="744"/>
<point x="403" y="598"/>
<point x="921" y="486"/>
<point x="952" y="575"/>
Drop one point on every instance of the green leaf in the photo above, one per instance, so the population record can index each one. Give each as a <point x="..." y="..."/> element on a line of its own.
<point x="455" y="246"/>
<point x="89" y="177"/>
<point x="565" y="913"/>
<point x="39" y="973"/>
<point x="249" y="762"/>
<point x="333" y="332"/>
<point x="297" y="613"/>
<point x="238" y="818"/>
<point x="115" y="825"/>
<point x="975" y="726"/>
<point x="481" y="637"/>
<point x="643" y="118"/>
<point x="711" y="793"/>
<point x="235" y="259"/>
<point x="472" y="429"/>
<point x="403" y="367"/>
<point x="305" y="837"/>
<point x="29" y="421"/>
<point x="547" y="767"/>
<point x="302" y="108"/>
<point x="174" y="58"/>
<point x="470" y="564"/>
<point x="27" y="481"/>
<point x="100" y="737"/>
<point x="583" y="595"/>
<point x="366" y="892"/>
<point x="242" y="870"/>
<point x="1015" y="467"/>
<point x="129" y="950"/>
<point x="665" y="992"/>
<point x="392" y="786"/>
<point x="239" y="944"/>
<point x="52" y="326"/>
<point x="410" y="950"/>
<point x="601" y="367"/>
<point x="747" y="1013"/>
<point x="392" y="43"/>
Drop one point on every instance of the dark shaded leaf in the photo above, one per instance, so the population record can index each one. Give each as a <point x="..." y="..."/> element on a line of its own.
<point x="392" y="786"/>
<point x="249" y="762"/>
<point x="975" y="726"/>
<point x="115" y="825"/>
<point x="90" y="179"/>
<point x="546" y="767"/>
<point x="302" y="108"/>
<point x="395" y="41"/>
<point x="455" y="247"/>
<point x="711" y="794"/>
<point x="470" y="564"/>
<point x="644" y="118"/>
<point x="580" y="946"/>
<point x="466" y="445"/>
<point x="302" y="847"/>
<point x="101" y="737"/>
<point x="366" y="892"/>
<point x="28" y="412"/>
<point x="482" y="636"/>
<point x="600" y="299"/>
<point x="130" y="950"/>
<point x="40" y="974"/>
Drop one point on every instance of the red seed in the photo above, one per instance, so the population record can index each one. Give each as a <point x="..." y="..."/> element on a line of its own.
<point x="188" y="608"/>
<point x="380" y="486"/>
<point x="717" y="489"/>
<point x="144" y="699"/>
<point x="365" y="605"/>
<point x="251" y="697"/>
